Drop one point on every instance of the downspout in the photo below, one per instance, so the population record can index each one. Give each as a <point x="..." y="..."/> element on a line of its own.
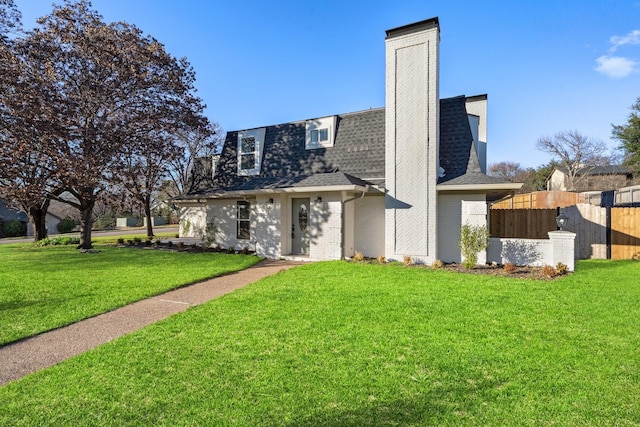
<point x="342" y="222"/>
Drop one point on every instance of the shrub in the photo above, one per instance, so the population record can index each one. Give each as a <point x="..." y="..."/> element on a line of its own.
<point x="14" y="228"/>
<point x="209" y="234"/>
<point x="231" y="250"/>
<point x="245" y="250"/>
<point x="55" y="241"/>
<point x="381" y="259"/>
<point x="67" y="225"/>
<point x="137" y="241"/>
<point x="549" y="272"/>
<point x="437" y="264"/>
<point x="509" y="267"/>
<point x="120" y="241"/>
<point x="104" y="221"/>
<point x="408" y="260"/>
<point x="561" y="268"/>
<point x="473" y="239"/>
<point x="358" y="257"/>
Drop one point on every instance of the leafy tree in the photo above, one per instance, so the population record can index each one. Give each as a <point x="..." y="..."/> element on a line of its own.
<point x="629" y="137"/>
<point x="28" y="132"/>
<point x="573" y="152"/>
<point x="114" y="87"/>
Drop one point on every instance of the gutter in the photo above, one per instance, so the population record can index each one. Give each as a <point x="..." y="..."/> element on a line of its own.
<point x="342" y="219"/>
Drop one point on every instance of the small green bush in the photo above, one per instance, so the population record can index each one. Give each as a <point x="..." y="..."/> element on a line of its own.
<point x="14" y="228"/>
<point x="473" y="239"/>
<point x="67" y="225"/>
<point x="55" y="241"/>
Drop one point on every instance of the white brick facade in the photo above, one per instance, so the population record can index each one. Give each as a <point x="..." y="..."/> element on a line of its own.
<point x="412" y="135"/>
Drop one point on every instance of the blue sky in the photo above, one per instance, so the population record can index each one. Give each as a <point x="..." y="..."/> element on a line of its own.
<point x="546" y="66"/>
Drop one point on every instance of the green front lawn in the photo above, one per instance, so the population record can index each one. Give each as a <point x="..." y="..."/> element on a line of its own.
<point x="45" y="288"/>
<point x="339" y="344"/>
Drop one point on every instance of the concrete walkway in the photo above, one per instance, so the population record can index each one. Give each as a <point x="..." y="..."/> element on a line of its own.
<point x="41" y="351"/>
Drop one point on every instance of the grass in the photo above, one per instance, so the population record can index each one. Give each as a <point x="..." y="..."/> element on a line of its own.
<point x="45" y="288"/>
<point x="339" y="344"/>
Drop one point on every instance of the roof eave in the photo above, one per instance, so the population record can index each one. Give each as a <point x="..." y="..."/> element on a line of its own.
<point x="479" y="187"/>
<point x="287" y="190"/>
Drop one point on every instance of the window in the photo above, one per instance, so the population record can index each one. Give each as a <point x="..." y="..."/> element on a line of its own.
<point x="248" y="153"/>
<point x="320" y="133"/>
<point x="250" y="148"/>
<point x="243" y="218"/>
<point x="319" y="136"/>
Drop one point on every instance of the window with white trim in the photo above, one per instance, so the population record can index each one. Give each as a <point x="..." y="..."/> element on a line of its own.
<point x="319" y="136"/>
<point x="320" y="133"/>
<point x="250" y="147"/>
<point x="243" y="219"/>
<point x="248" y="153"/>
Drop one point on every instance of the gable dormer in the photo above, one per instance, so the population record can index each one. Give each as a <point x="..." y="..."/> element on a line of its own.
<point x="320" y="133"/>
<point x="250" y="148"/>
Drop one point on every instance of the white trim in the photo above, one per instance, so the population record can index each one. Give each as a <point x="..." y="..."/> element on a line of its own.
<point x="478" y="187"/>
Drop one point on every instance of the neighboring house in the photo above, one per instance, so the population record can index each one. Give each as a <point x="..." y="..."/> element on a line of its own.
<point x="395" y="181"/>
<point x="592" y="178"/>
<point x="7" y="214"/>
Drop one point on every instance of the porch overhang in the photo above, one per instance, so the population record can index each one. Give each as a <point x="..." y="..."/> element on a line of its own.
<point x="493" y="191"/>
<point x="195" y="198"/>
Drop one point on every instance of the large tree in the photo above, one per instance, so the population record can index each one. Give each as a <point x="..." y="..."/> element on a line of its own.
<point x="574" y="152"/>
<point x="628" y="135"/>
<point x="510" y="171"/>
<point x="113" y="87"/>
<point x="193" y="167"/>
<point x="27" y="127"/>
<point x="10" y="18"/>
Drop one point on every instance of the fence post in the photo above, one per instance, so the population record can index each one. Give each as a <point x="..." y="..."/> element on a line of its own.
<point x="608" y="236"/>
<point x="563" y="248"/>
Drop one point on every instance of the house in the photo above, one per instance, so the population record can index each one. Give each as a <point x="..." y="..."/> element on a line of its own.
<point x="52" y="219"/>
<point x="590" y="178"/>
<point x="395" y="181"/>
<point x="8" y="213"/>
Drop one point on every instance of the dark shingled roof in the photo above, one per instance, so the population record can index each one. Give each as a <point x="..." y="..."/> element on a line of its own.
<point x="358" y="151"/>
<point x="357" y="157"/>
<point x="458" y="156"/>
<point x="600" y="170"/>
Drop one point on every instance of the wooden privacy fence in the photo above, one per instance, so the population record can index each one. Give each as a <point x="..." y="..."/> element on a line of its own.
<point x="605" y="233"/>
<point x="539" y="200"/>
<point x="522" y="223"/>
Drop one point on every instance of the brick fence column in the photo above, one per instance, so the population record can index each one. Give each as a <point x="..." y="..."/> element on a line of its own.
<point x="563" y="248"/>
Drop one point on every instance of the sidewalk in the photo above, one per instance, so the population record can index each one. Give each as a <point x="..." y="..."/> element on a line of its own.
<point x="47" y="349"/>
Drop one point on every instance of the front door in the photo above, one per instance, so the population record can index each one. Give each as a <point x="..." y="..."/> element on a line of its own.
<point x="300" y="226"/>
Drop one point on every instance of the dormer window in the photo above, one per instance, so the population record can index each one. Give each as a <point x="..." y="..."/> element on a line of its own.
<point x="319" y="136"/>
<point x="248" y="153"/>
<point x="250" y="148"/>
<point x="320" y="133"/>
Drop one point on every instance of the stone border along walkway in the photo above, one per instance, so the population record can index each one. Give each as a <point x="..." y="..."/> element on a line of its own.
<point x="49" y="348"/>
